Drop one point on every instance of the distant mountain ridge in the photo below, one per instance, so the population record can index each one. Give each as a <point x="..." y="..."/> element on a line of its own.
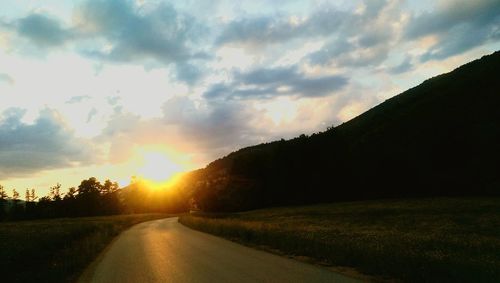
<point x="439" y="138"/>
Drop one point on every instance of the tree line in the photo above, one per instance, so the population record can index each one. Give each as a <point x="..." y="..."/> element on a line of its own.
<point x="90" y="198"/>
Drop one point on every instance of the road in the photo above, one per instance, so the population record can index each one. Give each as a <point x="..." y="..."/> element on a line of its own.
<point x="166" y="251"/>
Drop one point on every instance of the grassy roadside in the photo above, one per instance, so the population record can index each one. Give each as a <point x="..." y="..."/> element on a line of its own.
<point x="431" y="240"/>
<point x="57" y="250"/>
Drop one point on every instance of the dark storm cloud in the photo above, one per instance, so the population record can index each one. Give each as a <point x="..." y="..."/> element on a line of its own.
<point x="272" y="82"/>
<point x="43" y="30"/>
<point x="45" y="144"/>
<point x="459" y="26"/>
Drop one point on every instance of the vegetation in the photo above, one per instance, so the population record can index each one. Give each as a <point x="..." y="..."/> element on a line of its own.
<point x="91" y="198"/>
<point x="440" y="138"/>
<point x="138" y="198"/>
<point x="57" y="250"/>
<point x="424" y="240"/>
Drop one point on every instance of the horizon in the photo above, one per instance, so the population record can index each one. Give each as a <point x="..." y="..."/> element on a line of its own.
<point x="115" y="89"/>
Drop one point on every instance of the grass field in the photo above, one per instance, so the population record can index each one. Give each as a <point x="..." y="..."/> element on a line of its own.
<point x="57" y="250"/>
<point x="432" y="240"/>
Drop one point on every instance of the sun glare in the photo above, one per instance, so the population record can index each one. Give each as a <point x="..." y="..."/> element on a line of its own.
<point x="158" y="167"/>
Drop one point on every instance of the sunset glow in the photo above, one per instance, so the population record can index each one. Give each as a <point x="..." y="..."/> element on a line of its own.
<point x="163" y="140"/>
<point x="115" y="89"/>
<point x="158" y="167"/>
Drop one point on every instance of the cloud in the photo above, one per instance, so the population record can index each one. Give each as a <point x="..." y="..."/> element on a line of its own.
<point x="156" y="33"/>
<point x="113" y="100"/>
<point x="188" y="73"/>
<point x="26" y="149"/>
<point x="459" y="26"/>
<point x="332" y="49"/>
<point x="364" y="38"/>
<point x="43" y="30"/>
<point x="276" y="28"/>
<point x="271" y="82"/>
<point x="405" y="66"/>
<point x="152" y="34"/>
<point x="200" y="129"/>
<point x="5" y="78"/>
<point x="91" y="114"/>
<point x="78" y="99"/>
<point x="215" y="128"/>
<point x="452" y="13"/>
<point x="352" y="38"/>
<point x="280" y="71"/>
<point x="160" y="34"/>
<point x="455" y="42"/>
<point x="260" y="31"/>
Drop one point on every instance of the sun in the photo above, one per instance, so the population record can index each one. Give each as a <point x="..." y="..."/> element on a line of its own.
<point x="158" y="167"/>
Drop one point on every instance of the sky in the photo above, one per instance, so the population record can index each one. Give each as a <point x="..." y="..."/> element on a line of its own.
<point x="119" y="88"/>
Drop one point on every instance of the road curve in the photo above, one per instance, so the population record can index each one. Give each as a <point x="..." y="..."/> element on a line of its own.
<point x="166" y="251"/>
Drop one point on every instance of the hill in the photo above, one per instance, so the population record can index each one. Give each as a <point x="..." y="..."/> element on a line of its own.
<point x="441" y="138"/>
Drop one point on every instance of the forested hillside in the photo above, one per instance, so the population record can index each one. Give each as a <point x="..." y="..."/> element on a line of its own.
<point x="439" y="138"/>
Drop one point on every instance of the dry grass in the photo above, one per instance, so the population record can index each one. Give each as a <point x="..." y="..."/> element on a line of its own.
<point x="57" y="250"/>
<point x="433" y="240"/>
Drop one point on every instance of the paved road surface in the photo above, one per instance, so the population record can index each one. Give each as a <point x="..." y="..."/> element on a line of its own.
<point x="166" y="251"/>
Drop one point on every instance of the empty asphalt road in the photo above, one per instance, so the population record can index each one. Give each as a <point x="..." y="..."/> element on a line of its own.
<point x="166" y="251"/>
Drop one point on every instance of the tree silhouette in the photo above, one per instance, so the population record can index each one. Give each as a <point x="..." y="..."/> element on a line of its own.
<point x="15" y="195"/>
<point x="33" y="195"/>
<point x="89" y="197"/>
<point x="30" y="206"/>
<point x="27" y="197"/>
<point x="3" y="203"/>
<point x="55" y="193"/>
<point x="3" y="193"/>
<point x="71" y="194"/>
<point x="17" y="209"/>
<point x="110" y="198"/>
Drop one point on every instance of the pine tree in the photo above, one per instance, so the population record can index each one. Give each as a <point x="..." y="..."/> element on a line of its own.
<point x="27" y="197"/>
<point x="15" y="195"/>
<point x="55" y="192"/>
<point x="3" y="203"/>
<point x="33" y="195"/>
<point x="3" y="194"/>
